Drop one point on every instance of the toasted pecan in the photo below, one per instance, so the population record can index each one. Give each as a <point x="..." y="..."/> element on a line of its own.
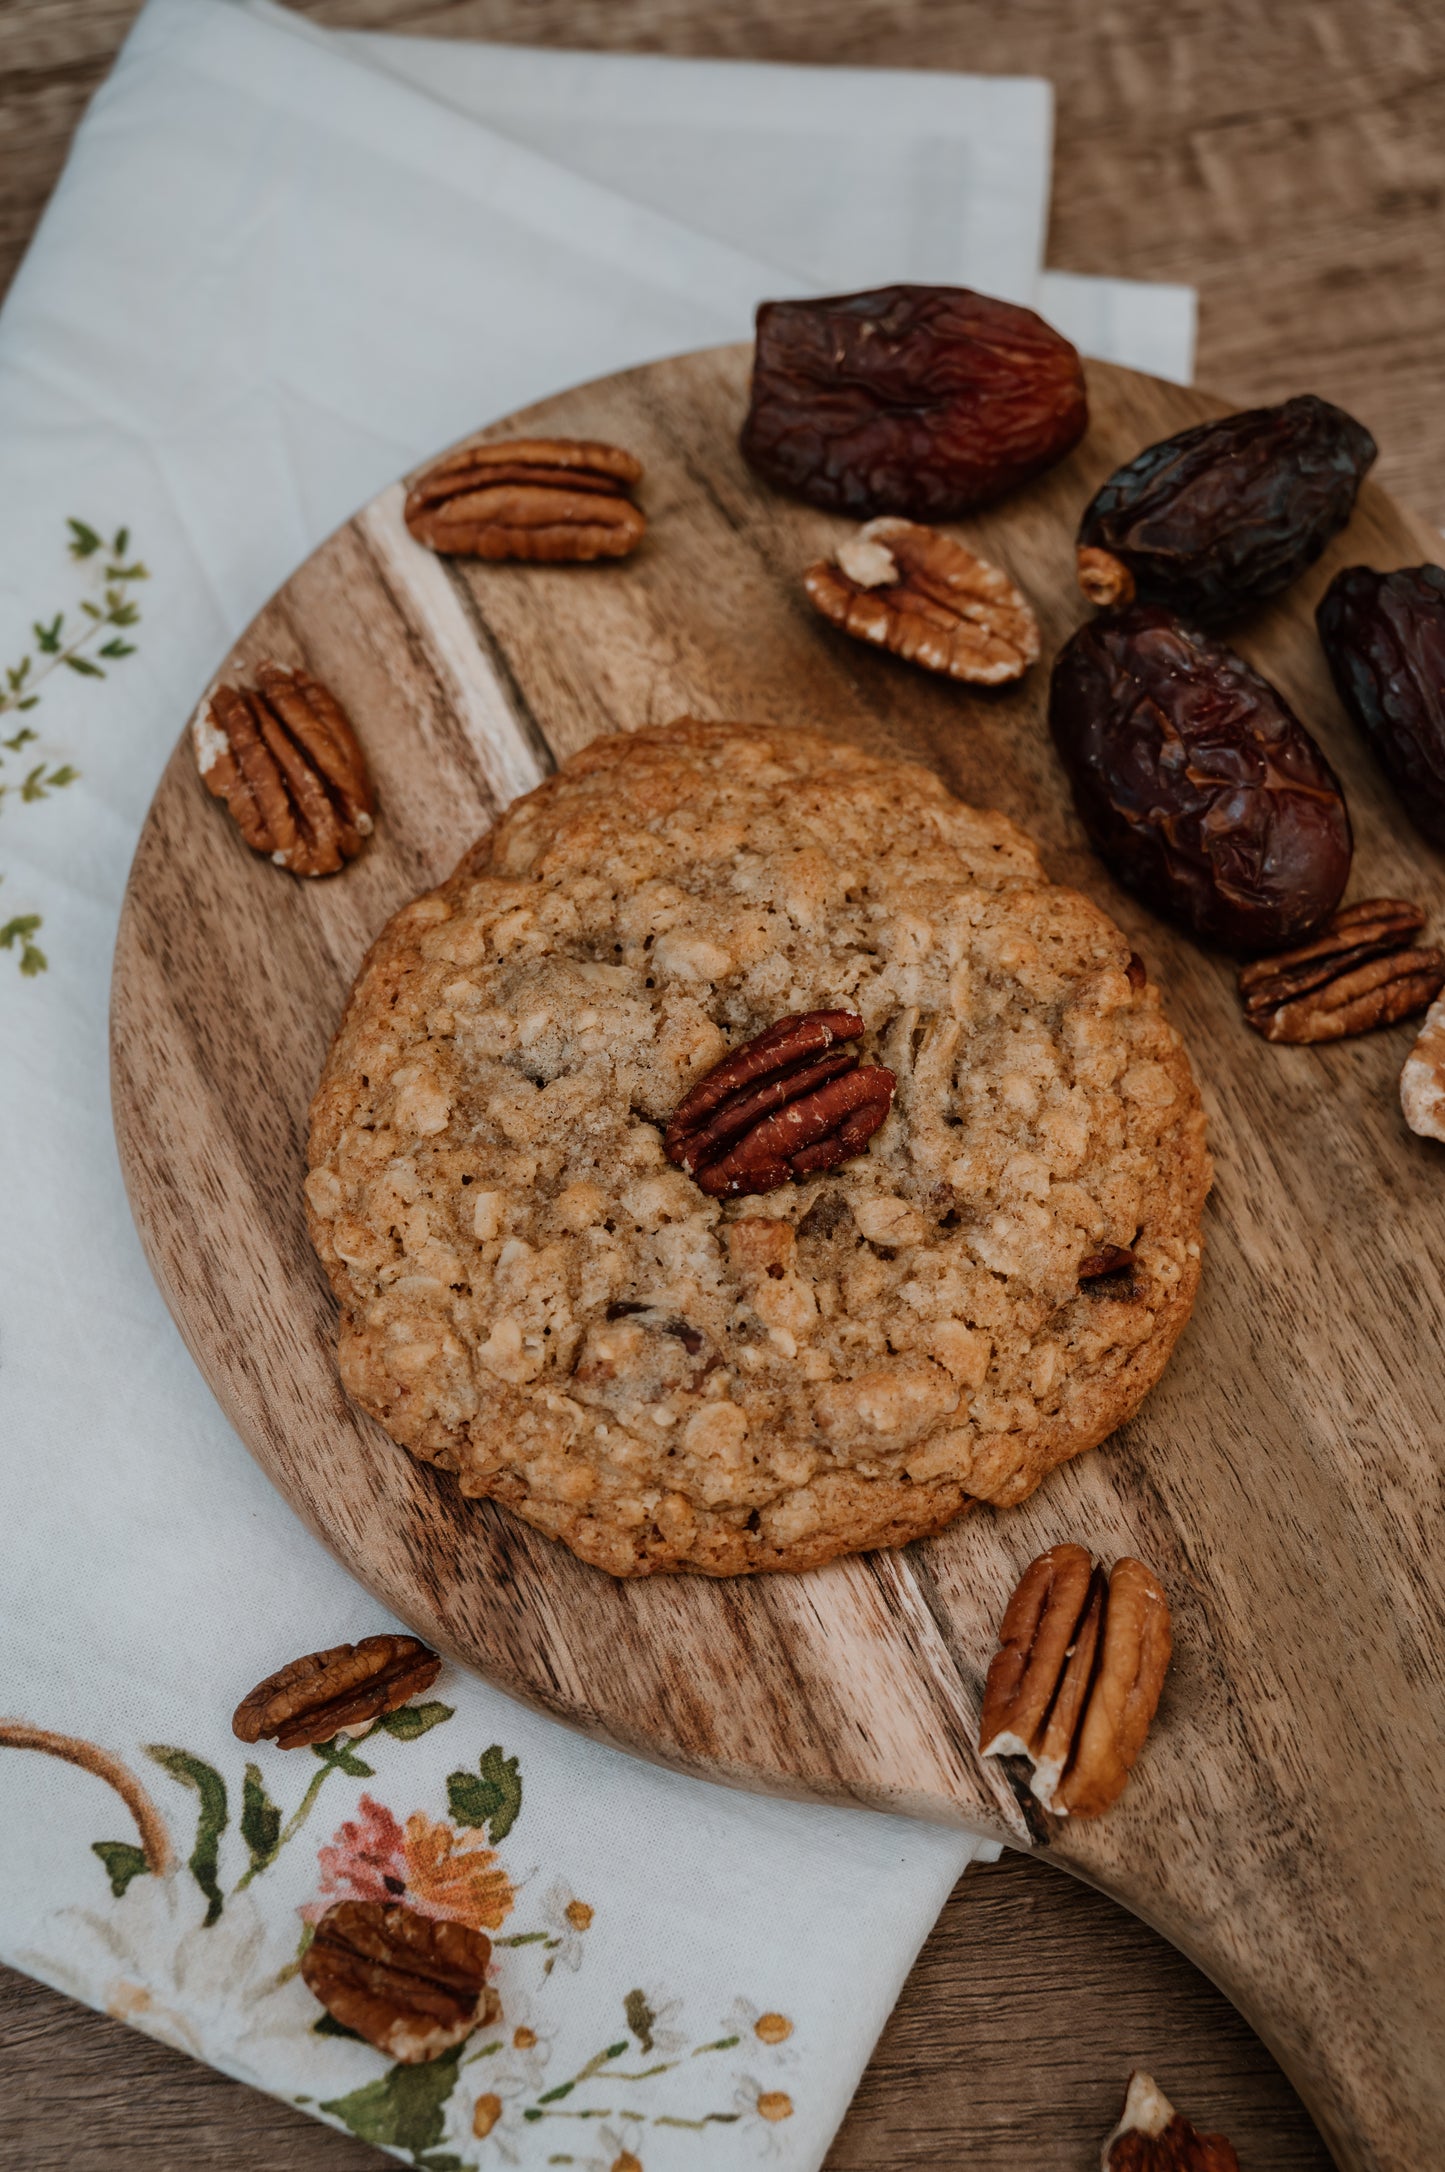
<point x="309" y="1699"/>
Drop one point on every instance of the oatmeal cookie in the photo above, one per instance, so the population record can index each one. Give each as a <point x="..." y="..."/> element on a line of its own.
<point x="534" y="1298"/>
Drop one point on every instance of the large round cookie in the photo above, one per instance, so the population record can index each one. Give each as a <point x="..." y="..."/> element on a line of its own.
<point x="534" y="1298"/>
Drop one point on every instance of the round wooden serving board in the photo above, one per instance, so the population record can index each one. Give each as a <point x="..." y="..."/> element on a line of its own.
<point x="1285" y="1822"/>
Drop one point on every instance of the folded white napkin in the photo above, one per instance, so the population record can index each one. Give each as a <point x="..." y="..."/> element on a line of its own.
<point x="275" y="274"/>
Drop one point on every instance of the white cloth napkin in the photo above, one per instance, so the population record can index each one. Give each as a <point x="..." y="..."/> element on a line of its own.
<point x="277" y="272"/>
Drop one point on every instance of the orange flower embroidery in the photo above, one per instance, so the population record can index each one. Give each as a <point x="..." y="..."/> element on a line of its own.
<point x="448" y="1874"/>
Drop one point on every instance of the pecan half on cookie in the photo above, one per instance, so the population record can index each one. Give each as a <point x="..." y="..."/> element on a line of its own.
<point x="786" y="1105"/>
<point x="1362" y="970"/>
<point x="552" y="499"/>
<point x="1075" y="1681"/>
<point x="927" y="599"/>
<point x="288" y="765"/>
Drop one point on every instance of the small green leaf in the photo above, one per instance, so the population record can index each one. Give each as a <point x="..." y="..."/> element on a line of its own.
<point x="47" y="638"/>
<point x="59" y="778"/>
<point x="123" y="1861"/>
<point x="85" y="667"/>
<point x="28" y="703"/>
<point x="411" y="1720"/>
<point x="122" y="614"/>
<point x="211" y="1822"/>
<point x="19" y="931"/>
<point x="121" y="544"/>
<point x="260" y="1820"/>
<point x="84" y="541"/>
<point x="494" y="1800"/>
<point x="137" y="572"/>
<point x="116" y="647"/>
<point x="91" y="610"/>
<point x="22" y="738"/>
<point x="405" y="2109"/>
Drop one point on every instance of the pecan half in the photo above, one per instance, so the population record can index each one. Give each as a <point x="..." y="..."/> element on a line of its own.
<point x="1152" y="2137"/>
<point x="1076" y="1679"/>
<point x="288" y="765"/>
<point x="1359" y="972"/>
<point x="411" y="1985"/>
<point x="1422" y="1082"/>
<point x="309" y="1699"/>
<point x="930" y="601"/>
<point x="786" y="1105"/>
<point x="548" y="499"/>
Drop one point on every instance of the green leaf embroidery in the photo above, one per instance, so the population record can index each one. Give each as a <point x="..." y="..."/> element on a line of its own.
<point x="121" y="544"/>
<point x="260" y="1820"/>
<point x="494" y="1800"/>
<point x="210" y="1824"/>
<point x="116" y="647"/>
<point x="123" y="1861"/>
<point x="19" y="931"/>
<point x="83" y="539"/>
<point x="47" y="638"/>
<point x="411" y="1720"/>
<point x="405" y="2109"/>
<point x="337" y="1757"/>
<point x="84" y="666"/>
<point x="640" y="2017"/>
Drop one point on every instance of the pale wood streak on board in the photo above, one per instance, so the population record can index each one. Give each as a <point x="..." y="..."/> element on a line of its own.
<point x="1280" y="1478"/>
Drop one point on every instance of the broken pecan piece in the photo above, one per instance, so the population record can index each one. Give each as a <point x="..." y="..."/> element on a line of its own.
<point x="1422" y="1082"/>
<point x="930" y="601"/>
<point x="1076" y="1679"/>
<point x="1360" y="971"/>
<point x="411" y="1985"/>
<point x="288" y="765"/>
<point x="352" y="1684"/>
<point x="550" y="499"/>
<point x="1110" y="1259"/>
<point x="784" y="1106"/>
<point x="1152" y="2137"/>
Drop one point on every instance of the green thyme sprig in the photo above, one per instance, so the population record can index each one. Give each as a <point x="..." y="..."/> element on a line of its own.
<point x="97" y="628"/>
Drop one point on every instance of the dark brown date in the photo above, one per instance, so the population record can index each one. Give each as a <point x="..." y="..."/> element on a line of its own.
<point x="1213" y="521"/>
<point x="926" y="401"/>
<point x="1196" y="782"/>
<point x="1384" y="637"/>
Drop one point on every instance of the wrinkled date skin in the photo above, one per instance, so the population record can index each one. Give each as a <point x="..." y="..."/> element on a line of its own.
<point x="926" y="401"/>
<point x="1384" y="638"/>
<point x="1196" y="782"/>
<point x="1215" y="520"/>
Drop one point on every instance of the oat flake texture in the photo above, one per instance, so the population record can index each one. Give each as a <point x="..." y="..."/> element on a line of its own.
<point x="533" y="1298"/>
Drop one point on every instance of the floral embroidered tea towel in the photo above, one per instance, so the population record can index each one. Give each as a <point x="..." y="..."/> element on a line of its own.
<point x="209" y="359"/>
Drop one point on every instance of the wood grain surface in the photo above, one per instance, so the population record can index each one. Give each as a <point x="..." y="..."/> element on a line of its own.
<point x="1290" y="161"/>
<point x="1280" y="1476"/>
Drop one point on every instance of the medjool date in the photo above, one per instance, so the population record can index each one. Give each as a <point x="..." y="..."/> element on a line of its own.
<point x="1213" y="521"/>
<point x="926" y="401"/>
<point x="1196" y="782"/>
<point x="1384" y="637"/>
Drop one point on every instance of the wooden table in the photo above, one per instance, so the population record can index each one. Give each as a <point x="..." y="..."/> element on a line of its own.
<point x="1291" y="164"/>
